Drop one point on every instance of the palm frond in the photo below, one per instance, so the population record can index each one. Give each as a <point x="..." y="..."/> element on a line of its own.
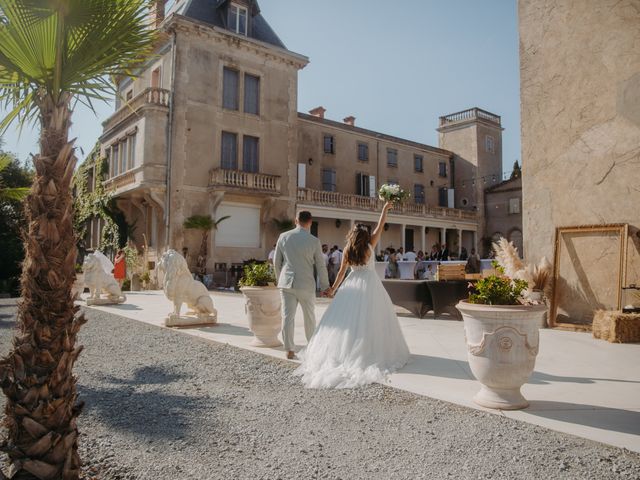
<point x="14" y="194"/>
<point x="73" y="46"/>
<point x="199" y="222"/>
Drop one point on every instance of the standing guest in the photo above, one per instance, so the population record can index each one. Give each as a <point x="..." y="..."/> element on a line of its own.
<point x="473" y="263"/>
<point x="120" y="267"/>
<point x="410" y="256"/>
<point x="420" y="256"/>
<point x="335" y="260"/>
<point x="444" y="253"/>
<point x="392" y="267"/>
<point x="272" y="254"/>
<point x="463" y="254"/>
<point x="400" y="254"/>
<point x="434" y="253"/>
<point x="325" y="255"/>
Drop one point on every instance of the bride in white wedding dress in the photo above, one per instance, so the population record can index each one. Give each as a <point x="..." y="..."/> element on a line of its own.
<point x="359" y="340"/>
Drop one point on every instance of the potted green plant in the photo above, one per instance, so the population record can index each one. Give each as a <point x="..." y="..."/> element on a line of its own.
<point x="501" y="333"/>
<point x="262" y="304"/>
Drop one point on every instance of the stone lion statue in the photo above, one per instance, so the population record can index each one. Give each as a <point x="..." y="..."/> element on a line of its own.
<point x="99" y="281"/>
<point x="180" y="287"/>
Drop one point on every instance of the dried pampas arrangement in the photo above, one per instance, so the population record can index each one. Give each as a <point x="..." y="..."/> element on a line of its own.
<point x="538" y="277"/>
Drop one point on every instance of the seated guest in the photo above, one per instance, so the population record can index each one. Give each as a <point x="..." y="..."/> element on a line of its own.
<point x="392" y="268"/>
<point x="473" y="263"/>
<point x="400" y="254"/>
<point x="434" y="253"/>
<point x="420" y="256"/>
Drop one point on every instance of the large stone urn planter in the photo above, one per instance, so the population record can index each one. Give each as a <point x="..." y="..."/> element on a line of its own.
<point x="262" y="306"/>
<point x="502" y="345"/>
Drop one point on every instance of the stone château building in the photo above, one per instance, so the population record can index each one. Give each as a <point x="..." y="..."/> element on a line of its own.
<point x="211" y="127"/>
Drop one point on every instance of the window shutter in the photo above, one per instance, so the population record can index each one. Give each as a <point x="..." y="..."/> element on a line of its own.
<point x="372" y="187"/>
<point x="302" y="175"/>
<point x="358" y="184"/>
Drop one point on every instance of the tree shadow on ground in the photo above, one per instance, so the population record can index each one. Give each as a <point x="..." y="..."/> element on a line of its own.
<point x="142" y="405"/>
<point x="7" y="321"/>
<point x="604" y="418"/>
<point x="459" y="369"/>
<point x="148" y="375"/>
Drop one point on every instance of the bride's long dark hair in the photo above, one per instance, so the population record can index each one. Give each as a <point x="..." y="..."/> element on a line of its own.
<point x="357" y="250"/>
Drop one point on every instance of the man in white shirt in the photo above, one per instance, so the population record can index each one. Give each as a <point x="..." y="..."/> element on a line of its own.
<point x="410" y="256"/>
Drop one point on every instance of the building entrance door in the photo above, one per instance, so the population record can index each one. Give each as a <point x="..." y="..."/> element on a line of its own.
<point x="408" y="239"/>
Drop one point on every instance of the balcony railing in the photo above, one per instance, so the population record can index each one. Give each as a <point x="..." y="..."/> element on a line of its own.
<point x="252" y="182"/>
<point x="122" y="180"/>
<point x="149" y="97"/>
<point x="471" y="114"/>
<point x="357" y="202"/>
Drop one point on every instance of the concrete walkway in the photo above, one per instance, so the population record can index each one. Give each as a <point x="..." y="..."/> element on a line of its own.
<point x="582" y="386"/>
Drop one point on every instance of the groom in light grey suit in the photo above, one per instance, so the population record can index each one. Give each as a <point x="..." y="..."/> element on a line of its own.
<point x="297" y="252"/>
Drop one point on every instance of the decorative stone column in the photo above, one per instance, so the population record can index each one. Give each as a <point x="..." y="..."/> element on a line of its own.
<point x="423" y="240"/>
<point x="403" y="235"/>
<point x="443" y="236"/>
<point x="459" y="242"/>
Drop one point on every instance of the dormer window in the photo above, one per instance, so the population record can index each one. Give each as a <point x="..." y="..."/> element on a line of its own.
<point x="238" y="19"/>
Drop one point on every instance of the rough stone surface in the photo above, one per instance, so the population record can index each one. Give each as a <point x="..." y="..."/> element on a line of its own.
<point x="161" y="405"/>
<point x="580" y="84"/>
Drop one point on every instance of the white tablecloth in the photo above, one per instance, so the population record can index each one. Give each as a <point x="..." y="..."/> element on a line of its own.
<point x="381" y="268"/>
<point x="406" y="269"/>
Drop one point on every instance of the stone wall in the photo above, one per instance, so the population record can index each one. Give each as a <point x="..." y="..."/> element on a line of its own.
<point x="580" y="88"/>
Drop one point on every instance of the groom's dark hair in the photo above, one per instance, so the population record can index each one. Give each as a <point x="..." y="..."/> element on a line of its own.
<point x="304" y="217"/>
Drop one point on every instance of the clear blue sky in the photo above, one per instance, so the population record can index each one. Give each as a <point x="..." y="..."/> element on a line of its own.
<point x="394" y="65"/>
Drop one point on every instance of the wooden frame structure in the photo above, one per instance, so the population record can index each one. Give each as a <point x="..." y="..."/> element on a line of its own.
<point x="622" y="229"/>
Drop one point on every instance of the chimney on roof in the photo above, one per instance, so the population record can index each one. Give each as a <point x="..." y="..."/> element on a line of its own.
<point x="350" y="120"/>
<point x="318" y="112"/>
<point x="157" y="12"/>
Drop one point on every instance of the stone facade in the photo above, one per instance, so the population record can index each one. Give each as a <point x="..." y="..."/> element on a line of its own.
<point x="503" y="213"/>
<point x="168" y="145"/>
<point x="580" y="87"/>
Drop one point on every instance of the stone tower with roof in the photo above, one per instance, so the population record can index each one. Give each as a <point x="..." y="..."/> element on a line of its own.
<point x="475" y="137"/>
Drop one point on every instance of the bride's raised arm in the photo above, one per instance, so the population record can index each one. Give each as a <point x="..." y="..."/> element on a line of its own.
<point x="377" y="232"/>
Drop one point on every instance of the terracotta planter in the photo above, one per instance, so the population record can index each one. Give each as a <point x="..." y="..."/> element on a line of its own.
<point x="263" y="311"/>
<point x="502" y="345"/>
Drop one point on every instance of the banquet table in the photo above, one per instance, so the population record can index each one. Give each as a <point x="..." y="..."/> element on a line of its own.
<point x="381" y="269"/>
<point x="421" y="296"/>
<point x="445" y="296"/>
<point x="406" y="269"/>
<point x="410" y="294"/>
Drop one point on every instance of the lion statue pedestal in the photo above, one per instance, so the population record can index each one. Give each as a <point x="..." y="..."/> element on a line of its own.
<point x="99" y="282"/>
<point x="180" y="287"/>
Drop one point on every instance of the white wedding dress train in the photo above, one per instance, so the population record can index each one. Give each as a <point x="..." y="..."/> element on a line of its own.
<point x="359" y="340"/>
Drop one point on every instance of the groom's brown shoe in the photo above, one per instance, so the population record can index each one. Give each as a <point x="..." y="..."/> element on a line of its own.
<point x="291" y="355"/>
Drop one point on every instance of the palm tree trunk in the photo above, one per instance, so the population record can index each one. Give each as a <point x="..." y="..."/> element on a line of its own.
<point x="202" y="256"/>
<point x="42" y="407"/>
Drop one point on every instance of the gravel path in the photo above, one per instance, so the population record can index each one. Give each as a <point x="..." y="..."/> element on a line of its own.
<point x="164" y="405"/>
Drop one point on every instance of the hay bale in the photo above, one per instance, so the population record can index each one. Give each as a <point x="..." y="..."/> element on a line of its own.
<point x="616" y="327"/>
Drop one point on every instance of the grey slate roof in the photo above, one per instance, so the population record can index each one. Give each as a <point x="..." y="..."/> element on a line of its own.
<point x="213" y="12"/>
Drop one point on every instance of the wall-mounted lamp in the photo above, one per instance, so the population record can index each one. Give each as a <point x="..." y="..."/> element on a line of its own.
<point x="426" y="229"/>
<point x="386" y="227"/>
<point x="338" y="223"/>
<point x="310" y="161"/>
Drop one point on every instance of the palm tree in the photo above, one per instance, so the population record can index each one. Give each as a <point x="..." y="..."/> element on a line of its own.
<point x="204" y="223"/>
<point x="54" y="53"/>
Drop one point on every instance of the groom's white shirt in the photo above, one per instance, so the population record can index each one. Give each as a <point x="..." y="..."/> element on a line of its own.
<point x="297" y="252"/>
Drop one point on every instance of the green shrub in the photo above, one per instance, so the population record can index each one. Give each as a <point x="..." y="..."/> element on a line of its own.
<point x="257" y="275"/>
<point x="496" y="290"/>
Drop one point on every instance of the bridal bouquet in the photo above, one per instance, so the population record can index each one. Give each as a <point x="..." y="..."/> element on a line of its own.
<point x="392" y="193"/>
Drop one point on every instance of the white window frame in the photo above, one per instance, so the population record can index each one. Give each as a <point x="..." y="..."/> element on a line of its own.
<point x="238" y="9"/>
